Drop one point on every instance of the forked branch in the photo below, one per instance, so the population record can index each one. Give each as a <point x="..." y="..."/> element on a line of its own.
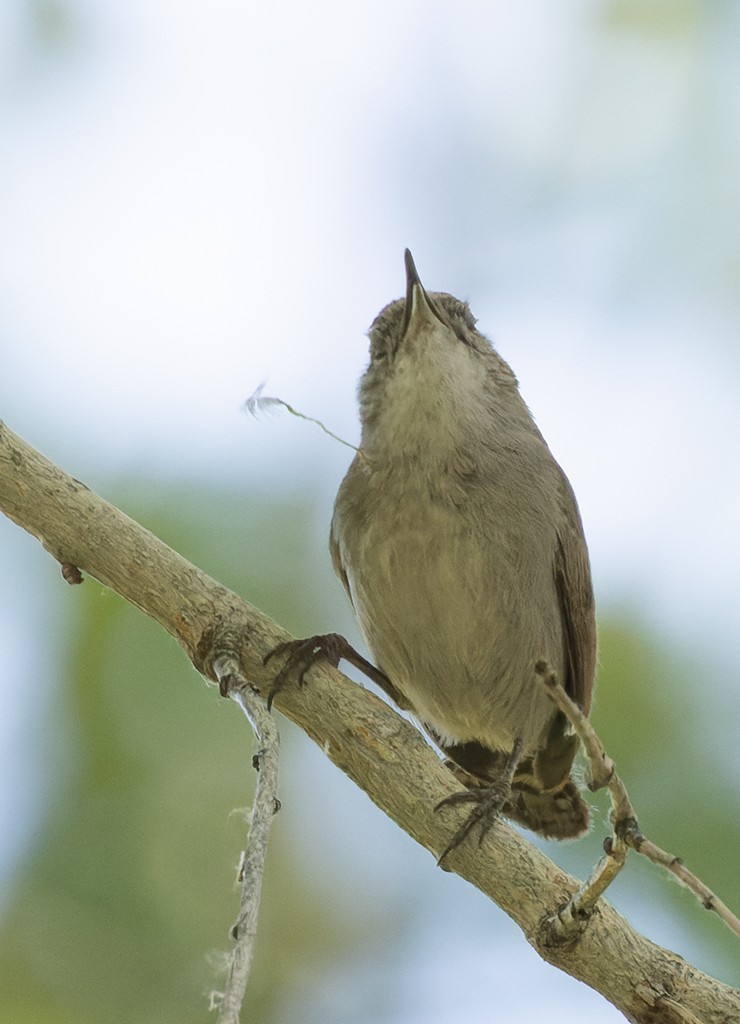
<point x="626" y="831"/>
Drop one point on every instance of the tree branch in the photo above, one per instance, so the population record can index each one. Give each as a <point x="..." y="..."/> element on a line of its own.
<point x="373" y="745"/>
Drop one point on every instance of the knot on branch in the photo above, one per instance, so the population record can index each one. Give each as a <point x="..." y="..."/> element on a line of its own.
<point x="628" y="830"/>
<point x="565" y="927"/>
<point x="220" y="643"/>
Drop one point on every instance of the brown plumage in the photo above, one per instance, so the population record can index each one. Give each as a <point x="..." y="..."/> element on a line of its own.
<point x="458" y="539"/>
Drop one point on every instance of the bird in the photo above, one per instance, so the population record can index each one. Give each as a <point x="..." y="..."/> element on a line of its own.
<point x="459" y="542"/>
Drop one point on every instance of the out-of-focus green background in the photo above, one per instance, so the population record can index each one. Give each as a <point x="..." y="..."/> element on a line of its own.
<point x="197" y="196"/>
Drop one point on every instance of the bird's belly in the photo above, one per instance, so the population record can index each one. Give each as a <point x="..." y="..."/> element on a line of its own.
<point x="455" y="621"/>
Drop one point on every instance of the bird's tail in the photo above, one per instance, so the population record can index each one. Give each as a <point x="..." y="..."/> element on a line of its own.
<point x="556" y="814"/>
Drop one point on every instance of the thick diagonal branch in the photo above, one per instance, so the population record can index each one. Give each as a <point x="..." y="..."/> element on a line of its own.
<point x="380" y="751"/>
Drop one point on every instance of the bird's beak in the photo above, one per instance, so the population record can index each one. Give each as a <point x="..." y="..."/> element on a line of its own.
<point x="419" y="307"/>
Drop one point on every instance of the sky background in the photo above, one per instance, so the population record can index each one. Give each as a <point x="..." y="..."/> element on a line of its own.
<point x="196" y="197"/>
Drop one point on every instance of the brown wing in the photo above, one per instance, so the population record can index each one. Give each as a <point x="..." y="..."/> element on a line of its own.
<point x="576" y="601"/>
<point x="551" y="765"/>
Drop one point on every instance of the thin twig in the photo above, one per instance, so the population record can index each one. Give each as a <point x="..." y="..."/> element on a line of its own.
<point x="688" y="879"/>
<point x="565" y="925"/>
<point x="626" y="831"/>
<point x="232" y="682"/>
<point x="601" y="766"/>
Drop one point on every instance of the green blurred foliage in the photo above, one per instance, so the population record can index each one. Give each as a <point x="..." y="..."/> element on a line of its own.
<point x="126" y="895"/>
<point x="662" y="17"/>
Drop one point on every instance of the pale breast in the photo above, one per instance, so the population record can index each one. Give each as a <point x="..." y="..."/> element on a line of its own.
<point x="453" y="606"/>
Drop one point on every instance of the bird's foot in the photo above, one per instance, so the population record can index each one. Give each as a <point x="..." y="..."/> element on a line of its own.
<point x="303" y="654"/>
<point x="488" y="803"/>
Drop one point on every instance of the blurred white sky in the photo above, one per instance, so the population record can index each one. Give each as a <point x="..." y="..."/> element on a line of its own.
<point x="198" y="196"/>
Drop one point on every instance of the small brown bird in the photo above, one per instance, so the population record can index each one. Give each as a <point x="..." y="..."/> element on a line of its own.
<point x="459" y="542"/>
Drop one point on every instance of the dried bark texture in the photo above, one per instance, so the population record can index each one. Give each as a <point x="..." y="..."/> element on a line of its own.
<point x="380" y="751"/>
